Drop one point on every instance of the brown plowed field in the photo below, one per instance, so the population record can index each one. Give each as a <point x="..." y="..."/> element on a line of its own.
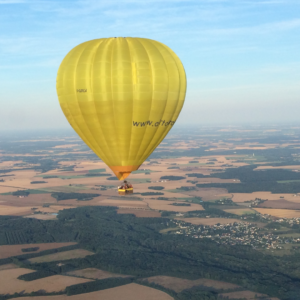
<point x="179" y="284"/>
<point x="93" y="273"/>
<point x="10" y="284"/>
<point x="6" y="210"/>
<point x="279" y="213"/>
<point x="279" y="204"/>
<point x="130" y="291"/>
<point x="140" y="213"/>
<point x="13" y="250"/>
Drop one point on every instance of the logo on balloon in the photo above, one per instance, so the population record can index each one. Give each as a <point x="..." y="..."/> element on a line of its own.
<point x="81" y="90"/>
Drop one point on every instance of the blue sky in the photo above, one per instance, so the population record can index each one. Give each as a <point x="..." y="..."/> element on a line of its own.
<point x="242" y="57"/>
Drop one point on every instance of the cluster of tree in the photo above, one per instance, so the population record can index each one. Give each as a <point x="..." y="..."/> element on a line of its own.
<point x="112" y="178"/>
<point x="97" y="285"/>
<point x="211" y="212"/>
<point x="79" y="196"/>
<point x="32" y="249"/>
<point x="97" y="174"/>
<point x="36" y="275"/>
<point x="171" y="168"/>
<point x="128" y="245"/>
<point x="171" y="177"/>
<point x="186" y="188"/>
<point x="193" y="161"/>
<point x="252" y="181"/>
<point x="156" y="188"/>
<point x="50" y="176"/>
<point x="38" y="181"/>
<point x="21" y="193"/>
<point x="180" y="204"/>
<point x="197" y="175"/>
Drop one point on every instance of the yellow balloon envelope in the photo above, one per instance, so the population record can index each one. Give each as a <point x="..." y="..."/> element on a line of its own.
<point x="121" y="96"/>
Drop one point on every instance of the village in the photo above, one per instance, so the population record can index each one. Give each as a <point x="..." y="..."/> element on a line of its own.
<point x="240" y="233"/>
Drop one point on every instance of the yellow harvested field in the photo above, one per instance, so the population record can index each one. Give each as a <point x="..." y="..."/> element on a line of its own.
<point x="248" y="295"/>
<point x="6" y="188"/>
<point x="240" y="211"/>
<point x="8" y="266"/>
<point x="77" y="253"/>
<point x="10" y="284"/>
<point x="93" y="273"/>
<point x="208" y="221"/>
<point x="280" y="213"/>
<point x="130" y="291"/>
<point x="13" y="250"/>
<point x="242" y="197"/>
<point x="264" y="167"/>
<point x="179" y="284"/>
<point x="140" y="213"/>
<point x="66" y="146"/>
<point x="6" y="210"/>
<point x="167" y="205"/>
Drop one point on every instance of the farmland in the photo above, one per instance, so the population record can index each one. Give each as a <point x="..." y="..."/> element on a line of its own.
<point x="14" y="250"/>
<point x="125" y="292"/>
<point x="10" y="283"/>
<point x="221" y="188"/>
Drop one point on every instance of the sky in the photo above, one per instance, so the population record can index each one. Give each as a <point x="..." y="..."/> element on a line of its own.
<point x="241" y="57"/>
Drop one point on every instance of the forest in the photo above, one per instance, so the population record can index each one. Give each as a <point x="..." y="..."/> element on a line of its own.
<point x="133" y="246"/>
<point x="273" y="180"/>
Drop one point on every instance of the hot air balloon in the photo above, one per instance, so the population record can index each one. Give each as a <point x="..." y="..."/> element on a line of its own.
<point x="121" y="96"/>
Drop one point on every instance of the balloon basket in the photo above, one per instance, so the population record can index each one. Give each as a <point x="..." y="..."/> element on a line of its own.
<point x="125" y="191"/>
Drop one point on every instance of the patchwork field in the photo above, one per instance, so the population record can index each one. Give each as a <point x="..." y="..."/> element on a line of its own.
<point x="13" y="250"/>
<point x="65" y="165"/>
<point x="179" y="284"/>
<point x="10" y="284"/>
<point x="126" y="292"/>
<point x="77" y="253"/>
